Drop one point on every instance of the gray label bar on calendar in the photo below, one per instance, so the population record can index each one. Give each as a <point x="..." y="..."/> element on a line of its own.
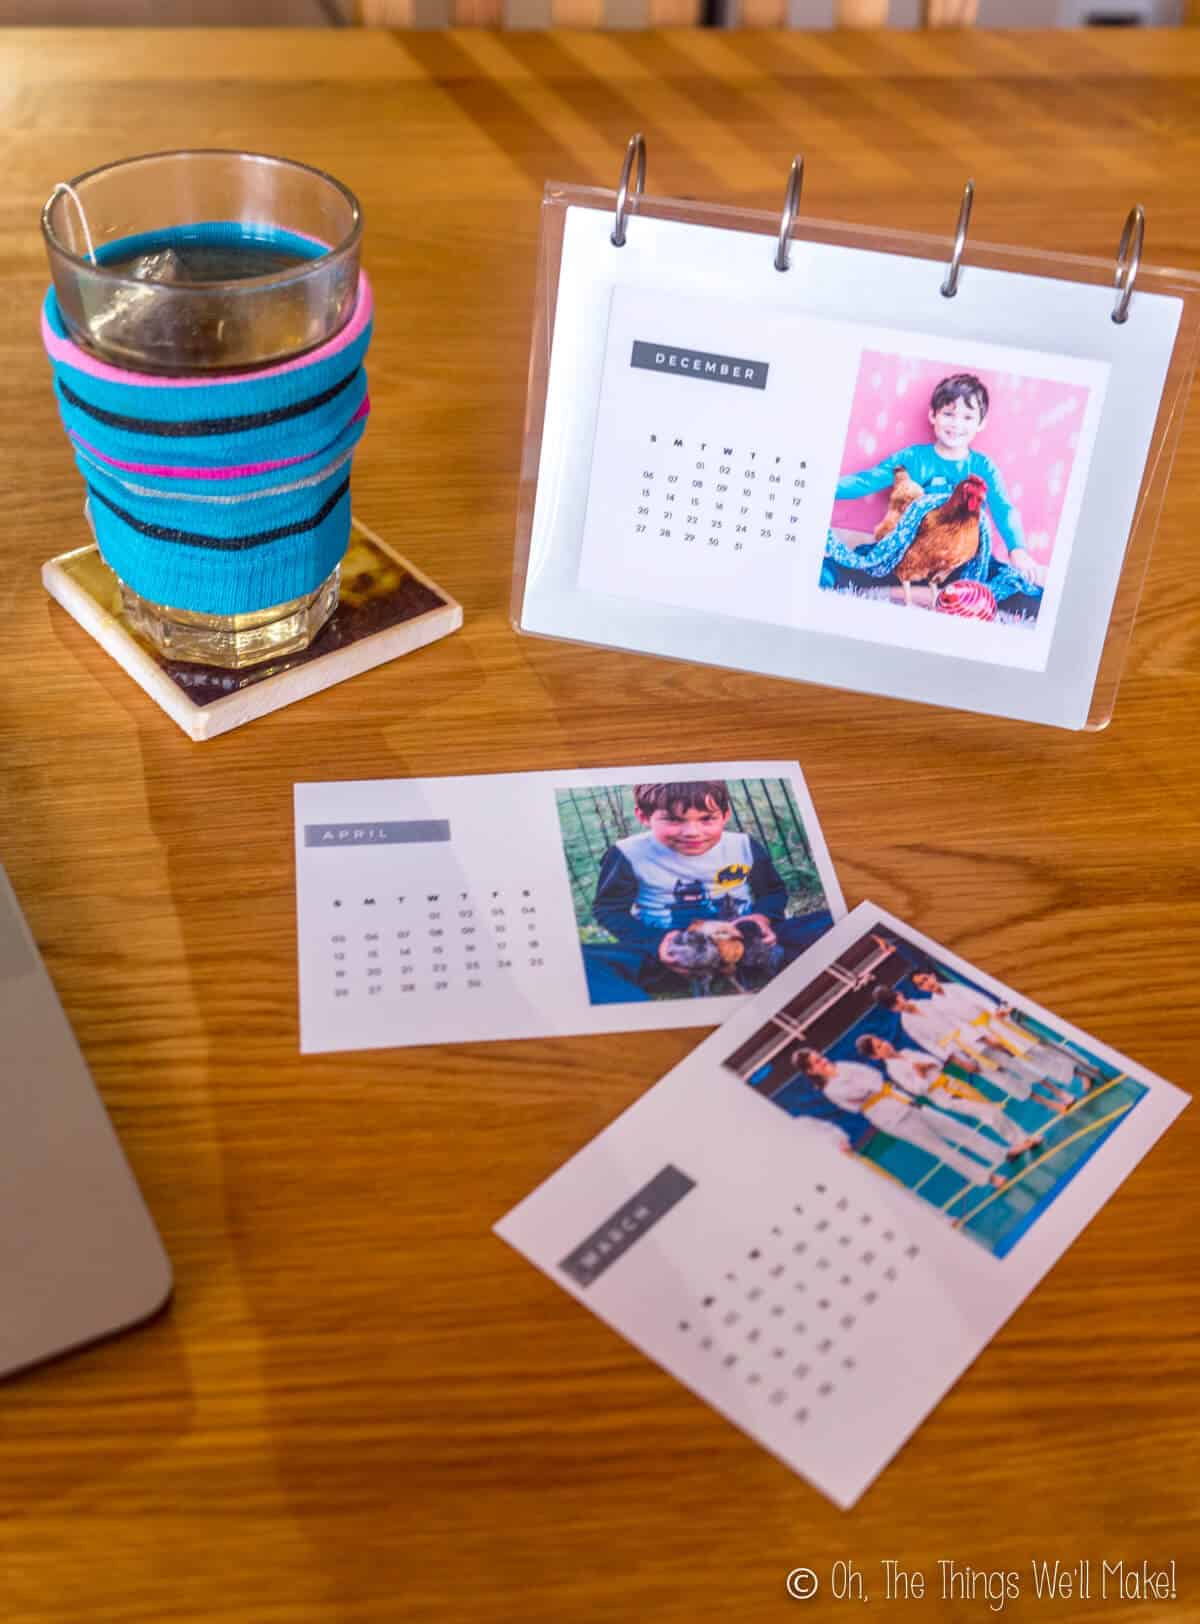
<point x="626" y="1226"/>
<point x="413" y="833"/>
<point x="733" y="369"/>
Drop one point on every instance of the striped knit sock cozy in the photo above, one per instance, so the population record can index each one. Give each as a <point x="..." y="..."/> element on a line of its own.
<point x="222" y="495"/>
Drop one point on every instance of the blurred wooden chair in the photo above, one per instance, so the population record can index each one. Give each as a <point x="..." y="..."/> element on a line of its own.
<point x="500" y="13"/>
<point x="857" y="13"/>
<point x="175" y="13"/>
<point x="664" y="13"/>
<point x="530" y="13"/>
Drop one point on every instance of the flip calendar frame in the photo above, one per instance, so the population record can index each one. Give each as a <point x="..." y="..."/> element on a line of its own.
<point x="1110" y="313"/>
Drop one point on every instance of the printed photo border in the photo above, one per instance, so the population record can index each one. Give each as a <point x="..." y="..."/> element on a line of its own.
<point x="1035" y="1105"/>
<point x="986" y="642"/>
<point x="728" y="934"/>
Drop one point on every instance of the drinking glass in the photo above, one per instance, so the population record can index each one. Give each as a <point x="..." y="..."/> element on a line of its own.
<point x="207" y="262"/>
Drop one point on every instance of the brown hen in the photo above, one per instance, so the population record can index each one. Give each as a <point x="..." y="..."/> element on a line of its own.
<point x="903" y="494"/>
<point x="946" y="539"/>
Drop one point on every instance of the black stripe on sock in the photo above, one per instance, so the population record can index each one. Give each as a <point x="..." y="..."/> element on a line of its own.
<point x="199" y="426"/>
<point x="224" y="544"/>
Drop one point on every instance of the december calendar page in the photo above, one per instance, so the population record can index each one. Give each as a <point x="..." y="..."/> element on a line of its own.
<point x="822" y="1216"/>
<point x="872" y="486"/>
<point x="828" y="475"/>
<point x="446" y="910"/>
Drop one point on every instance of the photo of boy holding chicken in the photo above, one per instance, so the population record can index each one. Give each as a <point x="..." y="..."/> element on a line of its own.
<point x="947" y="503"/>
<point x="686" y="901"/>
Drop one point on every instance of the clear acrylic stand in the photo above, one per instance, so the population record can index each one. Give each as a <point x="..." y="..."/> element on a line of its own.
<point x="1154" y="309"/>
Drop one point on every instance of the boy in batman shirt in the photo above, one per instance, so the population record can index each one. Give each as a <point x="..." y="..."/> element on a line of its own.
<point x="686" y="866"/>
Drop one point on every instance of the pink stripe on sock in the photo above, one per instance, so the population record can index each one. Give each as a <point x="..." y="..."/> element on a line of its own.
<point x="244" y="472"/>
<point x="68" y="353"/>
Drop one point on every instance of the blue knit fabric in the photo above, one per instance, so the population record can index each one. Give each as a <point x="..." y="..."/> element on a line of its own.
<point x="228" y="545"/>
<point x="880" y="559"/>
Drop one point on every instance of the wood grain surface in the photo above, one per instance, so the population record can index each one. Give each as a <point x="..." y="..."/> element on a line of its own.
<point x="361" y="1406"/>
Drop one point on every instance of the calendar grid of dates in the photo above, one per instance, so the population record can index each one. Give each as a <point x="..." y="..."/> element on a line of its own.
<point x="785" y="1319"/>
<point x="430" y="940"/>
<point x="725" y="498"/>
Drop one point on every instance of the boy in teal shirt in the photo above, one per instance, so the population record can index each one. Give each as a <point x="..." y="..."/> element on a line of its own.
<point x="957" y="411"/>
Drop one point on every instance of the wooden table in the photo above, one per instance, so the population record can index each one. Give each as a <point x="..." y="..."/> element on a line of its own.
<point x="362" y="1406"/>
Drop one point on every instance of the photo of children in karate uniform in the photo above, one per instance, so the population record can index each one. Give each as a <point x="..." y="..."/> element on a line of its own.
<point x="952" y="487"/>
<point x="966" y="1099"/>
<point x="694" y="889"/>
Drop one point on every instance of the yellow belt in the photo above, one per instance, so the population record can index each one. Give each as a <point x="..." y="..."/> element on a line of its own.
<point x="955" y="1086"/>
<point x="884" y="1091"/>
<point x="993" y="1036"/>
<point x="953" y="1041"/>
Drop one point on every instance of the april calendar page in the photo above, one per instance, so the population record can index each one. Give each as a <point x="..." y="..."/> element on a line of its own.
<point x="821" y="1217"/>
<point x="445" y="910"/>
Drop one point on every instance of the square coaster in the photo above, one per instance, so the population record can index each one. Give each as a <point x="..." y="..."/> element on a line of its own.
<point x="387" y="607"/>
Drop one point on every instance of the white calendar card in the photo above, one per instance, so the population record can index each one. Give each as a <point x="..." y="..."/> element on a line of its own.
<point x="712" y="471"/>
<point x="823" y="1215"/>
<point x="835" y="474"/>
<point x="449" y="910"/>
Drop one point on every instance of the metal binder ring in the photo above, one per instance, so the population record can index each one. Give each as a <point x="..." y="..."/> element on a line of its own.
<point x="1129" y="257"/>
<point x="791" y="207"/>
<point x="635" y="149"/>
<point x="950" y="285"/>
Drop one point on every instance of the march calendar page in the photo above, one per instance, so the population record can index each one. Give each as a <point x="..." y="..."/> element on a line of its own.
<point x="822" y="1216"/>
<point x="445" y="910"/>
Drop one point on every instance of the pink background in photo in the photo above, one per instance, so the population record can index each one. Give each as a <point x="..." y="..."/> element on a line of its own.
<point x="1030" y="433"/>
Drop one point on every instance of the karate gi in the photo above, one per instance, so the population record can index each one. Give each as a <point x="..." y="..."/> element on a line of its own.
<point x="1042" y="1059"/>
<point x="863" y="1089"/>
<point x="943" y="1026"/>
<point x="947" y="1094"/>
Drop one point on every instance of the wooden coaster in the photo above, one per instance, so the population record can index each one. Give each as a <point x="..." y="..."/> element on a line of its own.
<point x="387" y="607"/>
